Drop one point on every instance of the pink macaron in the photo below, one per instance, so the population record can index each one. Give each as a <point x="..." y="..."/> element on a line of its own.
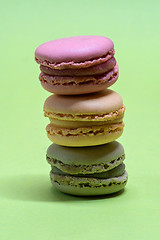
<point x="77" y="65"/>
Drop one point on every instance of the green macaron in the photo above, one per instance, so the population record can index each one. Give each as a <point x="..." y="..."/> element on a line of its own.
<point x="95" y="170"/>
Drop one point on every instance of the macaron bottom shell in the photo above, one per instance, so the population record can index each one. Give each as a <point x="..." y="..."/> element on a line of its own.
<point x="78" y="85"/>
<point x="83" y="186"/>
<point x="77" y="89"/>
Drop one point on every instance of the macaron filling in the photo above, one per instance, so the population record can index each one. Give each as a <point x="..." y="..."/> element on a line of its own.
<point x="112" y="75"/>
<point x="86" y="182"/>
<point x="115" y="172"/>
<point x="86" y="168"/>
<point x="93" y="70"/>
<point x="77" y="124"/>
<point x="115" y="115"/>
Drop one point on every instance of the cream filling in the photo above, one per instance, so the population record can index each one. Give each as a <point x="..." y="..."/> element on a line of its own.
<point x="83" y="131"/>
<point x="75" y="124"/>
<point x="88" y="117"/>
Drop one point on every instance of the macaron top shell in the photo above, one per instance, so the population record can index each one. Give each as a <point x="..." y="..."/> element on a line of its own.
<point x="73" y="49"/>
<point x="86" y="155"/>
<point x="102" y="102"/>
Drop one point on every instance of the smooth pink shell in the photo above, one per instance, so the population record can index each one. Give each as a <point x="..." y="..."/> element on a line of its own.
<point x="78" y="48"/>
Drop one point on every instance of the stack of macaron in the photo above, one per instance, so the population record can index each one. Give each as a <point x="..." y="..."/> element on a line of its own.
<point x="85" y="116"/>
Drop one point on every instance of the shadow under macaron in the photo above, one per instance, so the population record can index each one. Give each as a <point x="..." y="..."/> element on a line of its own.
<point x="37" y="188"/>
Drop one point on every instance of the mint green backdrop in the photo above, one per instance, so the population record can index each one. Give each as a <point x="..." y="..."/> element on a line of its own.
<point x="30" y="208"/>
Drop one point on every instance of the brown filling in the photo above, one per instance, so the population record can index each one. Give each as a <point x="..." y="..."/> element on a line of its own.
<point x="69" y="81"/>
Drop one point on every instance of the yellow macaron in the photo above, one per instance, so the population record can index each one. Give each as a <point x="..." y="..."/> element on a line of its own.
<point x="84" y="120"/>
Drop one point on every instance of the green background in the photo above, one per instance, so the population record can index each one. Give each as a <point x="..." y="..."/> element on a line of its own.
<point x="29" y="207"/>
